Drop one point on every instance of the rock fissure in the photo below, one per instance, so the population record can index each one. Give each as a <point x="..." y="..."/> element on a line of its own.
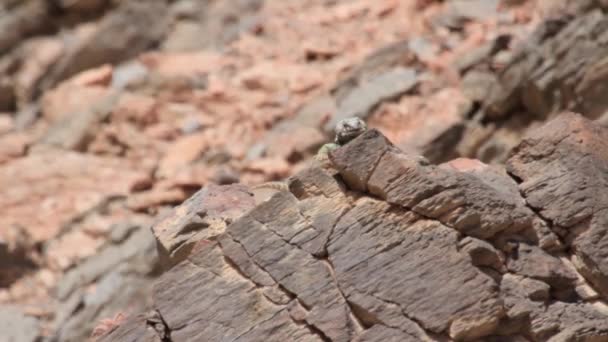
<point x="405" y="314"/>
<point x="156" y="321"/>
<point x="287" y="292"/>
<point x="325" y="253"/>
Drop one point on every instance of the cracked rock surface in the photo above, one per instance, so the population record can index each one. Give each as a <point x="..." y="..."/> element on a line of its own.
<point x="388" y="247"/>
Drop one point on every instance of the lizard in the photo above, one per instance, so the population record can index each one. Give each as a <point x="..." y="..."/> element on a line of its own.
<point x="345" y="131"/>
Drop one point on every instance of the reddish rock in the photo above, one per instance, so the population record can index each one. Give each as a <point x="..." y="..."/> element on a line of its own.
<point x="465" y="165"/>
<point x="273" y="168"/>
<point x="42" y="192"/>
<point x="12" y="146"/>
<point x="77" y="94"/>
<point x="138" y="109"/>
<point x="181" y="64"/>
<point x="183" y="151"/>
<point x="156" y="197"/>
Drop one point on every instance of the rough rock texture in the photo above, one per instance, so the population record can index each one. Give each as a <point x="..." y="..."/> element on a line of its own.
<point x="187" y="93"/>
<point x="202" y="217"/>
<point x="61" y="173"/>
<point x="116" y="279"/>
<point x="560" y="66"/>
<point x="570" y="193"/>
<point x="364" y="98"/>
<point x="16" y="326"/>
<point x="133" y="28"/>
<point x="394" y="248"/>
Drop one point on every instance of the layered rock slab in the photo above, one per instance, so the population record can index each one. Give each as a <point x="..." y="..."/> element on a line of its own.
<point x="563" y="168"/>
<point x="387" y="247"/>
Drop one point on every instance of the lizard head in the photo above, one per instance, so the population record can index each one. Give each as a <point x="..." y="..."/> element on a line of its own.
<point x="348" y="129"/>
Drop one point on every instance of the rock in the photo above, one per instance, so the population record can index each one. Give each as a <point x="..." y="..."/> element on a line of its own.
<point x="82" y="5"/>
<point x="423" y="48"/>
<point x="387" y="247"/>
<point x="473" y="9"/>
<point x="457" y="12"/>
<point x="315" y="112"/>
<point x="124" y="33"/>
<point x="533" y="262"/>
<point x="26" y="117"/>
<point x="486" y="56"/>
<point x="483" y="254"/>
<point x="568" y="318"/>
<point x="272" y="168"/>
<point x="202" y="217"/>
<point x="431" y="127"/>
<point x="76" y="130"/>
<point x="182" y="152"/>
<point x="525" y="300"/>
<point x="292" y="141"/>
<point x="78" y="183"/>
<point x="202" y="25"/>
<point x="372" y="163"/>
<point x="367" y="96"/>
<point x="15" y="255"/>
<point x="151" y="199"/>
<point x="7" y="95"/>
<point x="380" y="61"/>
<point x="128" y="73"/>
<point x="116" y="279"/>
<point x="30" y="17"/>
<point x="13" y="146"/>
<point x="583" y="332"/>
<point x="138" y="109"/>
<point x="477" y="85"/>
<point x="36" y="55"/>
<point x="16" y="326"/>
<point x="78" y="94"/>
<point x="369" y="284"/>
<point x="563" y="175"/>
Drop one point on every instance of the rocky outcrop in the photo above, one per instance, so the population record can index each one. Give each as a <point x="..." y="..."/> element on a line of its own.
<point x="570" y="193"/>
<point x="560" y="66"/>
<point x="247" y="91"/>
<point x="203" y="216"/>
<point x="391" y="247"/>
<point x="91" y="33"/>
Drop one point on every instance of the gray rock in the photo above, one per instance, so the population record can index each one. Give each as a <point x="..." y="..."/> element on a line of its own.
<point x="121" y="274"/>
<point x="124" y="33"/>
<point x="17" y="327"/>
<point x="570" y="192"/>
<point x="30" y="17"/>
<point x="362" y="100"/>
<point x="202" y="217"/>
<point x="76" y="130"/>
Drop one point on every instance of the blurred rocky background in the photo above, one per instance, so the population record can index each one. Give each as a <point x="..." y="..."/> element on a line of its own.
<point x="114" y="111"/>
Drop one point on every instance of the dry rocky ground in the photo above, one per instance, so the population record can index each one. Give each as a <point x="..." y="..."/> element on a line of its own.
<point x="131" y="132"/>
